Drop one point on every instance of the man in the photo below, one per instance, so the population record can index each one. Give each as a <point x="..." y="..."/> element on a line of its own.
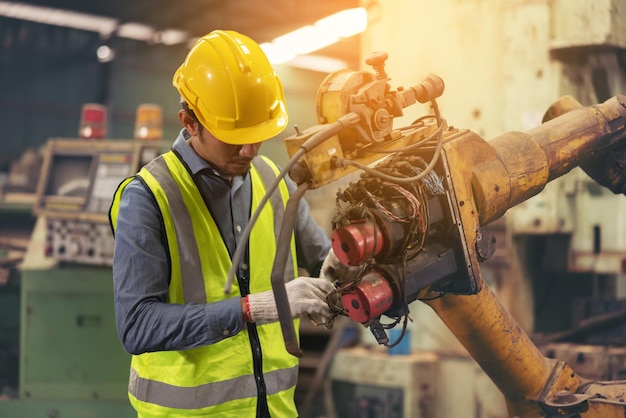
<point x="196" y="350"/>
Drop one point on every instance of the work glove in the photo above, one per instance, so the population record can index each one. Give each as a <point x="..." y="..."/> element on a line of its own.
<point x="307" y="296"/>
<point x="334" y="270"/>
<point x="342" y="277"/>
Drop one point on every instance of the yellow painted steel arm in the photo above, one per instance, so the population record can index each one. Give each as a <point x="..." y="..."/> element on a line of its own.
<point x="505" y="172"/>
<point x="525" y="161"/>
<point x="484" y="179"/>
<point x="504" y="351"/>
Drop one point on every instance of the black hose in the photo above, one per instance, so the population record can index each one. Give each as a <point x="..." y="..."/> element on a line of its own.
<point x="283" y="249"/>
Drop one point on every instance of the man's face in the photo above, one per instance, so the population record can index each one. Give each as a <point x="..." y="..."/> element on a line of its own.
<point x="230" y="160"/>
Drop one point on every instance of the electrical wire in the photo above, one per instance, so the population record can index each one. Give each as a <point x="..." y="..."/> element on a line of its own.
<point x="403" y="180"/>
<point x="420" y="144"/>
<point x="406" y="188"/>
<point x="317" y="138"/>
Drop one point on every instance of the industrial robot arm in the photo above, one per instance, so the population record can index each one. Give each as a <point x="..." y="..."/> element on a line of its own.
<point x="415" y="220"/>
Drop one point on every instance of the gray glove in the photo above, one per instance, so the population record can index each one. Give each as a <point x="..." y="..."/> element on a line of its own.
<point x="307" y="295"/>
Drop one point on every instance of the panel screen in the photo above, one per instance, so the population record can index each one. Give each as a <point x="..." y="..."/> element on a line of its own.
<point x="69" y="176"/>
<point x="79" y="178"/>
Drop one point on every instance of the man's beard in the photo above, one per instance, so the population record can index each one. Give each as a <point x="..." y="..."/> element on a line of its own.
<point x="234" y="168"/>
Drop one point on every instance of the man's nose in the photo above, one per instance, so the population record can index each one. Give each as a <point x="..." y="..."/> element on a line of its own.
<point x="249" y="150"/>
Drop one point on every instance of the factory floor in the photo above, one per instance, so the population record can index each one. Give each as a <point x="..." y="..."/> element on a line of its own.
<point x="319" y="346"/>
<point x="309" y="394"/>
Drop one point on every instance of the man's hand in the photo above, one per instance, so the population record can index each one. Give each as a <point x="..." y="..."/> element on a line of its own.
<point x="307" y="296"/>
<point x="334" y="270"/>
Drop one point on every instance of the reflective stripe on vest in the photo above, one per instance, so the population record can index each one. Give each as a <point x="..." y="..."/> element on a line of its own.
<point x="193" y="290"/>
<point x="269" y="176"/>
<point x="210" y="394"/>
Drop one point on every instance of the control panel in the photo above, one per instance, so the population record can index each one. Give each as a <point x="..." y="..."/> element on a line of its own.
<point x="75" y="192"/>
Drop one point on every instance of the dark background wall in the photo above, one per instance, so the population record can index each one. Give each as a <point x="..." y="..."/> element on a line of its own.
<point x="47" y="73"/>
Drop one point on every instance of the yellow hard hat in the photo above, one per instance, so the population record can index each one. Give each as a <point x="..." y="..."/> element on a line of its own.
<point x="230" y="85"/>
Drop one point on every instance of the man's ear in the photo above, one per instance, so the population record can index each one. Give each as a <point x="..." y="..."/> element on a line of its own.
<point x="188" y="122"/>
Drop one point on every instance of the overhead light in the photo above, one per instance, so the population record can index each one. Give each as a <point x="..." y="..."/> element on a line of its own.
<point x="276" y="54"/>
<point x="105" y="54"/>
<point x="58" y="17"/>
<point x="318" y="63"/>
<point x="321" y="34"/>
<point x="305" y="40"/>
<point x="136" y="31"/>
<point x="345" y="23"/>
<point x="172" y="36"/>
<point x="299" y="42"/>
<point x="105" y="26"/>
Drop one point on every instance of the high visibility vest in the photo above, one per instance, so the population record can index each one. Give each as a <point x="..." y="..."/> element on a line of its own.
<point x="217" y="379"/>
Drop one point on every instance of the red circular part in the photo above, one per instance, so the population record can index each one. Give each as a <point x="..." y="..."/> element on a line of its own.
<point x="372" y="297"/>
<point x="356" y="243"/>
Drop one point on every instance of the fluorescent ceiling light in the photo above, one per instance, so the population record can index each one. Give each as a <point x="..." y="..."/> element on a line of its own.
<point x="105" y="26"/>
<point x="297" y="43"/>
<point x="172" y="36"/>
<point x="318" y="63"/>
<point x="58" y="17"/>
<point x="321" y="34"/>
<point x="136" y="31"/>
<point x="276" y="54"/>
<point x="345" y="23"/>
<point x="305" y="40"/>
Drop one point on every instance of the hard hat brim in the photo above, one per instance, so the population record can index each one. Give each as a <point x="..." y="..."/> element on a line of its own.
<point x="253" y="134"/>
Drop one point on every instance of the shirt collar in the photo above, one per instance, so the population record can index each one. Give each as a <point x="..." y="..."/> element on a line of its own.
<point x="196" y="163"/>
<point x="193" y="160"/>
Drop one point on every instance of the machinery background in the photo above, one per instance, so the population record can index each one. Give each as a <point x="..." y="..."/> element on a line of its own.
<point x="556" y="264"/>
<point x="68" y="361"/>
<point x="386" y="226"/>
<point x="560" y="251"/>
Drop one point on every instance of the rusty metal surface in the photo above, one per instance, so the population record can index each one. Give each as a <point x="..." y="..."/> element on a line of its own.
<point x="581" y="134"/>
<point x="516" y="166"/>
<point x="483" y="179"/>
<point x="319" y="160"/>
<point x="610" y="391"/>
<point x="504" y="351"/>
<point x="599" y="408"/>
